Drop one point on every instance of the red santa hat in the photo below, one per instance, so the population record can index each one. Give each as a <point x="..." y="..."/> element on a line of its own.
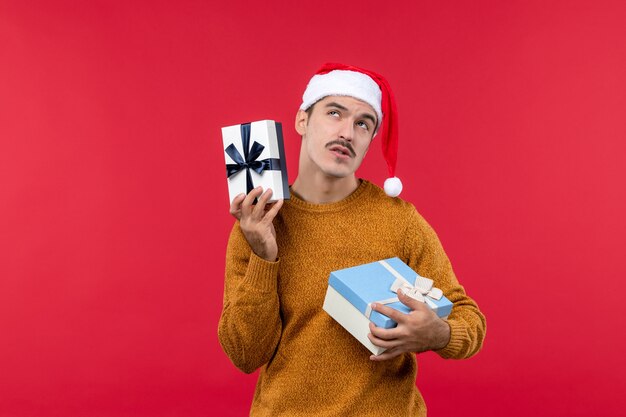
<point x="372" y="88"/>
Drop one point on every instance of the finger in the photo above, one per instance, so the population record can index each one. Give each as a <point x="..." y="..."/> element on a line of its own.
<point x="259" y="208"/>
<point x="247" y="205"/>
<point x="384" y="343"/>
<point x="393" y="314"/>
<point x="382" y="333"/>
<point x="235" y="205"/>
<point x="273" y="211"/>
<point x="411" y="302"/>
<point x="386" y="355"/>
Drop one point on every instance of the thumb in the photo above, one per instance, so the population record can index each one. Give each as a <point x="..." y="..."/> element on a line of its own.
<point x="410" y="302"/>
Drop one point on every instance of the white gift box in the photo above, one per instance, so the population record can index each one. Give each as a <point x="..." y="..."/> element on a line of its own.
<point x="350" y="319"/>
<point x="255" y="156"/>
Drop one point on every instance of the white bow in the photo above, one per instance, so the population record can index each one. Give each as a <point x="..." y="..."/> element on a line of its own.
<point x="421" y="290"/>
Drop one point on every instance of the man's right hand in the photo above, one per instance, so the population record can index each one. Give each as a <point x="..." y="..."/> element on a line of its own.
<point x="255" y="221"/>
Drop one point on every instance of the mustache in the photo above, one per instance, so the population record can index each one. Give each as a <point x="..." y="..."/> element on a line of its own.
<point x="343" y="143"/>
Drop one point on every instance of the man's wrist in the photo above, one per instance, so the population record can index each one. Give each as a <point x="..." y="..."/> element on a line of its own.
<point x="443" y="334"/>
<point x="266" y="257"/>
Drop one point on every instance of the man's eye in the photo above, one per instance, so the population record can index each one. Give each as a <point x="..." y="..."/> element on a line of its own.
<point x="363" y="125"/>
<point x="333" y="113"/>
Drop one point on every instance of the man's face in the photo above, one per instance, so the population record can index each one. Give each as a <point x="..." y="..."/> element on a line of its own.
<point x="336" y="135"/>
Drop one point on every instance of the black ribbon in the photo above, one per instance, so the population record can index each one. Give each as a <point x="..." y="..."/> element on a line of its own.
<point x="249" y="159"/>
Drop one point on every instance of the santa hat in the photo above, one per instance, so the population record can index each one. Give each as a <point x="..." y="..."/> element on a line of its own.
<point x="372" y="88"/>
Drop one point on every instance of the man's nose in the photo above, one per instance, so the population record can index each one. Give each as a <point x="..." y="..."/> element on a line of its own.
<point x="347" y="130"/>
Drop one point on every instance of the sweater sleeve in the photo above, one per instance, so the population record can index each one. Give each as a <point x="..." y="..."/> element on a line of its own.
<point x="426" y="256"/>
<point x="250" y="325"/>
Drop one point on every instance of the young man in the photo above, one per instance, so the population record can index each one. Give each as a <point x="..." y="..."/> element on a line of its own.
<point x="279" y="258"/>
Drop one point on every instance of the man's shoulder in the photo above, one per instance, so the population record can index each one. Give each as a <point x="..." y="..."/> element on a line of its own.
<point x="377" y="196"/>
<point x="394" y="209"/>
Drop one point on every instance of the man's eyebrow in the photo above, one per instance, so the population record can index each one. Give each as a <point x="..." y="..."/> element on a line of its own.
<point x="340" y="107"/>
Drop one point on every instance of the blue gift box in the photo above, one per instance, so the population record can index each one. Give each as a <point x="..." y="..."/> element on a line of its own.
<point x="368" y="283"/>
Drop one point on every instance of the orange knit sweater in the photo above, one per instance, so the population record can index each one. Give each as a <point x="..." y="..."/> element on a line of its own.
<point x="273" y="317"/>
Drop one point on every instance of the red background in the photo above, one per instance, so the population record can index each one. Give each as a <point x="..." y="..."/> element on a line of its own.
<point x="113" y="201"/>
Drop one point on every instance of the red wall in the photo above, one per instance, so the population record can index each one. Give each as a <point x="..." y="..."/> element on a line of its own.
<point x="114" y="212"/>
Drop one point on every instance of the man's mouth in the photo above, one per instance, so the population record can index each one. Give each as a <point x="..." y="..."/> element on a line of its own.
<point x="341" y="148"/>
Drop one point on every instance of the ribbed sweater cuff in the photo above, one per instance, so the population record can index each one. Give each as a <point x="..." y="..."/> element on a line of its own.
<point x="456" y="343"/>
<point x="262" y="274"/>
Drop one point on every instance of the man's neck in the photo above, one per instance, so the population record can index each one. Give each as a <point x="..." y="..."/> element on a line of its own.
<point x="321" y="189"/>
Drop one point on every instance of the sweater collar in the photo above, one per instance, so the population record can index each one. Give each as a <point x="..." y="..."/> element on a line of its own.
<point x="297" y="202"/>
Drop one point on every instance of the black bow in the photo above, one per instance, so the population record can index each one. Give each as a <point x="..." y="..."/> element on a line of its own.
<point x="249" y="160"/>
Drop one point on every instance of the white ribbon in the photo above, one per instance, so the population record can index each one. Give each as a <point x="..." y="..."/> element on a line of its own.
<point x="421" y="290"/>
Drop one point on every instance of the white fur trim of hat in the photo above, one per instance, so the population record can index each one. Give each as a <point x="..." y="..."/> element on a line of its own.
<point x="343" y="83"/>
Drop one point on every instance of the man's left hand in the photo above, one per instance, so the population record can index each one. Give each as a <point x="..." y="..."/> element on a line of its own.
<point x="418" y="331"/>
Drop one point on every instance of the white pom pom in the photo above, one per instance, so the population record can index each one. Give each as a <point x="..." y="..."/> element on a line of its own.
<point x="393" y="186"/>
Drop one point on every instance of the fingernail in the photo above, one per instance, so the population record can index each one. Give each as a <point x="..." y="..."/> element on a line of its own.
<point x="374" y="305"/>
<point x="400" y="291"/>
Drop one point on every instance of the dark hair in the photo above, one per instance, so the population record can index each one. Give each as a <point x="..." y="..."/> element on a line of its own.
<point x="309" y="111"/>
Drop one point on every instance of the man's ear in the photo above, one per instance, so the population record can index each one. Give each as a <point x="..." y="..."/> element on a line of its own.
<point x="301" y="121"/>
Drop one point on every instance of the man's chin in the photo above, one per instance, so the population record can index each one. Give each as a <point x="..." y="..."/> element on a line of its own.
<point x="338" y="174"/>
